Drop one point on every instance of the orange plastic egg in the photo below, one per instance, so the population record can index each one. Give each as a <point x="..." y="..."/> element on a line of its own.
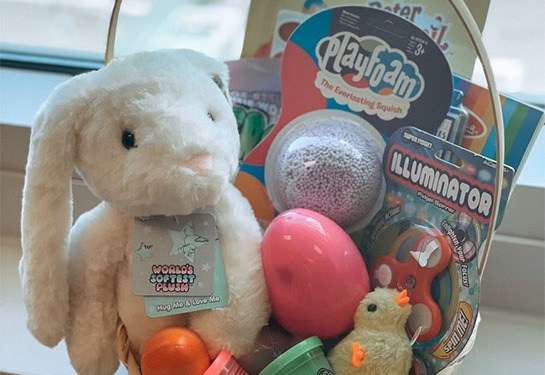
<point x="174" y="351"/>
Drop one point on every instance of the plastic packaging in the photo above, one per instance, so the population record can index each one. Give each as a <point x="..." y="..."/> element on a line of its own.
<point x="430" y="232"/>
<point x="331" y="165"/>
<point x="255" y="90"/>
<point x="453" y="127"/>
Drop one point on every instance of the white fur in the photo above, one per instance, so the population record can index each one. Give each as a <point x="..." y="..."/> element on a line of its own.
<point x="77" y="284"/>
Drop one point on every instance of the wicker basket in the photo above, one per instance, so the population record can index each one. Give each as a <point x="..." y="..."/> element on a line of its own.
<point x="465" y="17"/>
<point x="124" y="351"/>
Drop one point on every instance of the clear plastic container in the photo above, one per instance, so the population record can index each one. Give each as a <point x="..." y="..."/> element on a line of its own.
<point x="329" y="162"/>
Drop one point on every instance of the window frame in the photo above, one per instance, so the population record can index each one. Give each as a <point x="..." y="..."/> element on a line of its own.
<point x="46" y="63"/>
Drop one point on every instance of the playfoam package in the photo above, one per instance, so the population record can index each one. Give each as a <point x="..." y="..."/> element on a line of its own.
<point x="255" y="91"/>
<point x="350" y="77"/>
<point x="428" y="235"/>
<point x="271" y="22"/>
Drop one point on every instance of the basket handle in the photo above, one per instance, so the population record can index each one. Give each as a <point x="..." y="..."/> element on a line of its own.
<point x="112" y="29"/>
<point x="124" y="351"/>
<point x="464" y="15"/>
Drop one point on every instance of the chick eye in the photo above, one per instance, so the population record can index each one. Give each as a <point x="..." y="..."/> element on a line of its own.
<point x="128" y="139"/>
<point x="372" y="307"/>
<point x="210" y="116"/>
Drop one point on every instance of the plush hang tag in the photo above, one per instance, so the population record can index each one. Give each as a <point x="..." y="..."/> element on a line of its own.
<point x="174" y="255"/>
<point x="163" y="306"/>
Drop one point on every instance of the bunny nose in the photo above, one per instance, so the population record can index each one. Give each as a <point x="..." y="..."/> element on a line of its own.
<point x="402" y="299"/>
<point x="200" y="163"/>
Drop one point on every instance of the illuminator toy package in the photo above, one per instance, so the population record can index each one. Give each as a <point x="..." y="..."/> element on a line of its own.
<point x="428" y="235"/>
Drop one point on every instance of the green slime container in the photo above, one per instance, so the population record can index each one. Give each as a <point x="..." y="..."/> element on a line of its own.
<point x="305" y="358"/>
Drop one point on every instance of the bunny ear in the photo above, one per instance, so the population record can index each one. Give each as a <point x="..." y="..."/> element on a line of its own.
<point x="47" y="215"/>
<point x="222" y="85"/>
<point x="218" y="71"/>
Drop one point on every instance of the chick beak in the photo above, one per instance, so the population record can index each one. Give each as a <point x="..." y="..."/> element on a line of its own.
<point x="402" y="299"/>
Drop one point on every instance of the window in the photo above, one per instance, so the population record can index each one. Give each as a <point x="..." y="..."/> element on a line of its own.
<point x="513" y="36"/>
<point x="77" y="30"/>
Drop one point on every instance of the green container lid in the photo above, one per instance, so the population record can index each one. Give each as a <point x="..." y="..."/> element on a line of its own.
<point x="295" y="354"/>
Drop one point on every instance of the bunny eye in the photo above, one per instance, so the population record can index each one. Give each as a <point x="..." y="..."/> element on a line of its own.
<point x="128" y="139"/>
<point x="210" y="116"/>
<point x="372" y="307"/>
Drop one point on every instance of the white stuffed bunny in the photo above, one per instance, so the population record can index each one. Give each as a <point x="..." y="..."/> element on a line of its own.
<point x="151" y="134"/>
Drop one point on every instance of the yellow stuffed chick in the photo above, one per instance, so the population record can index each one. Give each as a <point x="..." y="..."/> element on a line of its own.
<point x="378" y="345"/>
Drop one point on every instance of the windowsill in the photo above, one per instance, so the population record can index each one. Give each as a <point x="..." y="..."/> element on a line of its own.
<point x="506" y="340"/>
<point x="28" y="356"/>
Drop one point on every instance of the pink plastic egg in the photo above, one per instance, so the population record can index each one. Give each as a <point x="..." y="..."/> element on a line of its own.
<point x="314" y="272"/>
